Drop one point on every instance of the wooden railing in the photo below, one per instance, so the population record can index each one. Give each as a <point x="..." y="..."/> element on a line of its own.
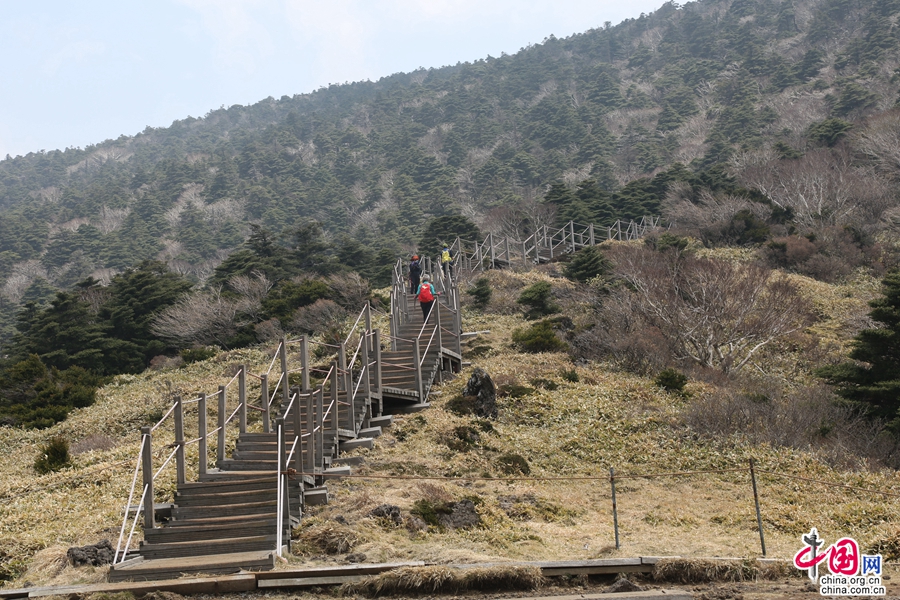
<point x="544" y="245"/>
<point x="359" y="379"/>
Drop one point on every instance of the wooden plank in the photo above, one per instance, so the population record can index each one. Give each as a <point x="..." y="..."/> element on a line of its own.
<point x="308" y="581"/>
<point x="358" y="569"/>
<point x="670" y="594"/>
<point x="242" y="582"/>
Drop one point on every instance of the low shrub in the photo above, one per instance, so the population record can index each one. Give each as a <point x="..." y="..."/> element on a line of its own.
<point x="192" y="355"/>
<point x="671" y="380"/>
<point x="54" y="456"/>
<point x="481" y="293"/>
<point x="539" y="337"/>
<point x="586" y="264"/>
<point x="537" y="300"/>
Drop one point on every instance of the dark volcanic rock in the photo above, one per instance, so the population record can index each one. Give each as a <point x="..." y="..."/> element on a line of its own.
<point x="389" y="512"/>
<point x="462" y="516"/>
<point x="101" y="553"/>
<point x="481" y="387"/>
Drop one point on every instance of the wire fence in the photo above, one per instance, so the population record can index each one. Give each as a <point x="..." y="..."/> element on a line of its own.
<point x="751" y="470"/>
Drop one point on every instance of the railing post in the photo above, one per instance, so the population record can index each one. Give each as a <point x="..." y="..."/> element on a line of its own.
<point x="319" y="436"/>
<point x="147" y="468"/>
<point x="376" y="342"/>
<point x="335" y="410"/>
<point x="368" y="321"/>
<point x="591" y="233"/>
<point x="367" y="386"/>
<point x="179" y="440"/>
<point x="524" y="254"/>
<point x="344" y="374"/>
<point x="572" y="233"/>
<point x="264" y="394"/>
<point x="242" y="398"/>
<point x="285" y="383"/>
<point x="439" y="340"/>
<point x="308" y="465"/>
<point x="457" y="324"/>
<point x="417" y="354"/>
<point x="304" y="363"/>
<point x="493" y="251"/>
<point x="220" y="437"/>
<point x="280" y="455"/>
<point x="479" y="257"/>
<point x="201" y="434"/>
<point x="298" y="429"/>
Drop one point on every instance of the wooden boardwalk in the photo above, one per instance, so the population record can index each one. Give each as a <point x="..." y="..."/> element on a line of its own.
<point x="238" y="515"/>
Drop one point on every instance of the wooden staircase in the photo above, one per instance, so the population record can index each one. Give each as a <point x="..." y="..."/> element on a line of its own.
<point x="239" y="515"/>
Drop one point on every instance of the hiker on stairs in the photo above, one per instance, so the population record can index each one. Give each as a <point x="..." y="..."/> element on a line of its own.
<point x="415" y="271"/>
<point x="447" y="262"/>
<point x="425" y="295"/>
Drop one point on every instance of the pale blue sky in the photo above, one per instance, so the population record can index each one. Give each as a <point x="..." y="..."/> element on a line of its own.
<point x="77" y="73"/>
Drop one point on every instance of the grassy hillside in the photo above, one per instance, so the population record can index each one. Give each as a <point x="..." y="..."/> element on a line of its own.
<point x="565" y="420"/>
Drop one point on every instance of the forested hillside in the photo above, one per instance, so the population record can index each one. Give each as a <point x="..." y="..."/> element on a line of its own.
<point x="746" y="122"/>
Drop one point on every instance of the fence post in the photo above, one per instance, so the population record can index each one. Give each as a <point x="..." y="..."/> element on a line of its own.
<point x="612" y="484"/>
<point x="762" y="539"/>
<point x="285" y="388"/>
<point x="279" y="453"/>
<point x="242" y="398"/>
<point x="309" y="465"/>
<point x="147" y="468"/>
<point x="304" y="363"/>
<point x="179" y="440"/>
<point x="366" y="374"/>
<point x="493" y="252"/>
<point x="264" y="394"/>
<point x="440" y="347"/>
<point x="572" y="233"/>
<point x="298" y="426"/>
<point x="319" y="436"/>
<point x="524" y="255"/>
<point x="335" y="411"/>
<point x="201" y="432"/>
<point x="220" y="437"/>
<point x="417" y="354"/>
<point x="376" y="343"/>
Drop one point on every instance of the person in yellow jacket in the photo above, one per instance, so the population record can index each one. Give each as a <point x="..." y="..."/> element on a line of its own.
<point x="447" y="262"/>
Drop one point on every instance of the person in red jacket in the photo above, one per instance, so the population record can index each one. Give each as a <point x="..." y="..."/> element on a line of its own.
<point x="425" y="295"/>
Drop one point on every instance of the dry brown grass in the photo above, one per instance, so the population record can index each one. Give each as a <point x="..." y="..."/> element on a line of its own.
<point x="605" y="419"/>
<point x="446" y="580"/>
<point x="682" y="570"/>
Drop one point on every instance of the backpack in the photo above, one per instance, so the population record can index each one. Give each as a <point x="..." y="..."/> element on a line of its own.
<point x="414" y="268"/>
<point x="425" y="294"/>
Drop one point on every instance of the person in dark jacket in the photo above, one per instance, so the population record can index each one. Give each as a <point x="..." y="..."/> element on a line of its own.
<point x="415" y="271"/>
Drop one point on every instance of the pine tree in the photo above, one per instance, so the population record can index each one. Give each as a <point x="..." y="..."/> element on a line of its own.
<point x="875" y="381"/>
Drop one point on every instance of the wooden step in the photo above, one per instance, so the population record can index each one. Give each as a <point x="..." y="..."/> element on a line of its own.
<point x="180" y="513"/>
<point x="384" y="421"/>
<point x="230" y="545"/>
<point x="171" y="568"/>
<point x="187" y="533"/>
<point x="316" y="496"/>
<point x="356" y="443"/>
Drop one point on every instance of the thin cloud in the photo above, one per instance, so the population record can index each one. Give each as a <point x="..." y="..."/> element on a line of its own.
<point x="70" y="54"/>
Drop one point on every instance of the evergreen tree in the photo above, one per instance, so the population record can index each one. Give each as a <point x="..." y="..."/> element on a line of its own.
<point x="874" y="382"/>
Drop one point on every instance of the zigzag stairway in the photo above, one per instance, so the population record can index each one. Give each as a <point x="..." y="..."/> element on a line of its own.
<point x="239" y="515"/>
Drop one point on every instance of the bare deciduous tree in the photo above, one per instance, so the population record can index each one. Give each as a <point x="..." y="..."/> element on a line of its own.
<point x="823" y="188"/>
<point x="879" y="140"/>
<point x="203" y="318"/>
<point x="713" y="313"/>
